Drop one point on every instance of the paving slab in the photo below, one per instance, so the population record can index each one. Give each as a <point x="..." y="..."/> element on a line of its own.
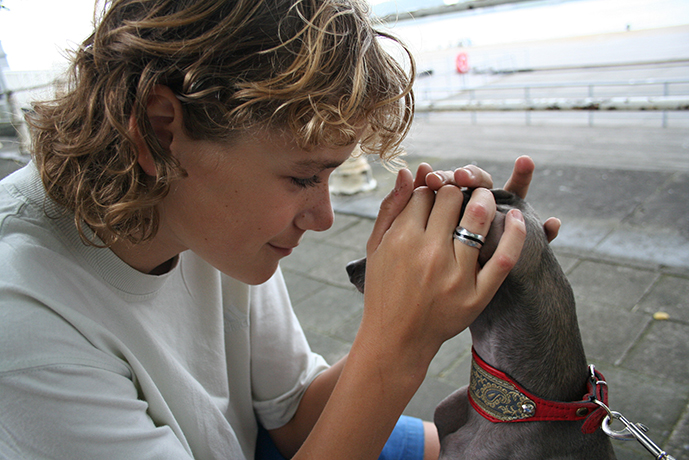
<point x="679" y="439"/>
<point x="607" y="331"/>
<point x="623" y="246"/>
<point x="643" y="399"/>
<point x="661" y="352"/>
<point x="619" y="286"/>
<point x="620" y="188"/>
<point x="329" y="309"/>
<point x="668" y="295"/>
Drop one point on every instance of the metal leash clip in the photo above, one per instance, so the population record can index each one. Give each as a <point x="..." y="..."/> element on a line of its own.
<point x="631" y="431"/>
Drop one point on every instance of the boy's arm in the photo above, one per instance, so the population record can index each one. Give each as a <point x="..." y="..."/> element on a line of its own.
<point x="291" y="436"/>
<point x="410" y="310"/>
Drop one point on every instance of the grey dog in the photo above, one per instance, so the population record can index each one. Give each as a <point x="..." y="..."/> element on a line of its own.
<point x="528" y="331"/>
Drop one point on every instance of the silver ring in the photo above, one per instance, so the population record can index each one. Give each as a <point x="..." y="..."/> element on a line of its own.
<point x="467" y="241"/>
<point x="463" y="234"/>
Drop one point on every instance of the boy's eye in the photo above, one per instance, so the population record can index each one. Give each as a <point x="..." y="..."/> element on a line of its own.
<point x="308" y="182"/>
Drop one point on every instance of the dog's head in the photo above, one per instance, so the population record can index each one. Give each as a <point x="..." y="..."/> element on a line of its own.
<point x="505" y="201"/>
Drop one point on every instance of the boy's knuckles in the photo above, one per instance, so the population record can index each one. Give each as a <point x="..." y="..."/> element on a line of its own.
<point x="388" y="203"/>
<point x="450" y="193"/>
<point x="505" y="262"/>
<point x="480" y="212"/>
<point x="401" y="240"/>
<point x="423" y="193"/>
<point x="391" y="204"/>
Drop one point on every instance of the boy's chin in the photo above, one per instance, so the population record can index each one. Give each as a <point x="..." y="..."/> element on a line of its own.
<point x="257" y="276"/>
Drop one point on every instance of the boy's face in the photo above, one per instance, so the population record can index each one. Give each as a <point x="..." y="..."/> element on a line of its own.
<point x="246" y="205"/>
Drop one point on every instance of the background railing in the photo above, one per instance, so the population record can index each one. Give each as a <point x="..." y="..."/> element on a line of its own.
<point x="671" y="94"/>
<point x="663" y="95"/>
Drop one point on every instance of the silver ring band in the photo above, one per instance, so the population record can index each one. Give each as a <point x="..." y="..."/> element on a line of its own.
<point x="461" y="232"/>
<point x="467" y="241"/>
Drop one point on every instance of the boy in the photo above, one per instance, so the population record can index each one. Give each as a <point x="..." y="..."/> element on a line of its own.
<point x="143" y="311"/>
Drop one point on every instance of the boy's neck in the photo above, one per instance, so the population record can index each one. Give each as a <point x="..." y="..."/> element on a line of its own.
<point x="154" y="257"/>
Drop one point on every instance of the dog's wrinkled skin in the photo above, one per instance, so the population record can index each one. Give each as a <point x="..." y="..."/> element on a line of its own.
<point x="529" y="331"/>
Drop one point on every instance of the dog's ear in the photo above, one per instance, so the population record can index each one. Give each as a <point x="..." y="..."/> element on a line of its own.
<point x="497" y="227"/>
<point x="536" y="240"/>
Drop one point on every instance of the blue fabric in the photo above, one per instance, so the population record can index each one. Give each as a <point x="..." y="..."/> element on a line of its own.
<point x="265" y="449"/>
<point x="405" y="443"/>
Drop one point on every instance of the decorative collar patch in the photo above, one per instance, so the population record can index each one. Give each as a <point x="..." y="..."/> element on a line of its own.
<point x="499" y="398"/>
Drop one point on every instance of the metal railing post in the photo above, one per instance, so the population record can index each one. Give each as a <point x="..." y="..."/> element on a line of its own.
<point x="18" y="122"/>
<point x="591" y="111"/>
<point x="471" y="99"/>
<point x="666" y="92"/>
<point x="474" y="116"/>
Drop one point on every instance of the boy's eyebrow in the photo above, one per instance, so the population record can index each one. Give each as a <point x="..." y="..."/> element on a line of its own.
<point x="317" y="164"/>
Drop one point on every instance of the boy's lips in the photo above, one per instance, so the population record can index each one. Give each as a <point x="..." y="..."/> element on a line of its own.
<point x="286" y="246"/>
<point x="283" y="250"/>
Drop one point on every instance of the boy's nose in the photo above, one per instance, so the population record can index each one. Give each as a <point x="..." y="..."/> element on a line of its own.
<point x="319" y="216"/>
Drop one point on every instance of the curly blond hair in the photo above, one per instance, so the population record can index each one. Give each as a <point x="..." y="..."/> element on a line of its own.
<point x="314" y="67"/>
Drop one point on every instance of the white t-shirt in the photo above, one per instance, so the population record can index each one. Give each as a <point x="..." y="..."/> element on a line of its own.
<point x="100" y="361"/>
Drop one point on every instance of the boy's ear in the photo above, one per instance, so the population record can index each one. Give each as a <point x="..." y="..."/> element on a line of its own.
<point x="165" y="115"/>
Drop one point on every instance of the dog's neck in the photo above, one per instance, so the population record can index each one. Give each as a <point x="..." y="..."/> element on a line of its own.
<point x="519" y="332"/>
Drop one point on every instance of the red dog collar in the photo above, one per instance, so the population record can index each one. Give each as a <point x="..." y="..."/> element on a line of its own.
<point x="499" y="398"/>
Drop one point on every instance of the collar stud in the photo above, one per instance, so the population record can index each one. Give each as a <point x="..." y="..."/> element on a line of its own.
<point x="582" y="411"/>
<point x="499" y="398"/>
<point x="528" y="409"/>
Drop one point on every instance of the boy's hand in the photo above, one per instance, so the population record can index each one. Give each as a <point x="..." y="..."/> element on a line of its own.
<point x="422" y="286"/>
<point x="472" y="177"/>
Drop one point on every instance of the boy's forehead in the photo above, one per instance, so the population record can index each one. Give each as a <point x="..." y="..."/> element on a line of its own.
<point x="318" y="164"/>
<point x="283" y="146"/>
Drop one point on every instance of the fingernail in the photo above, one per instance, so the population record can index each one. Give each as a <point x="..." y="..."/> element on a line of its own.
<point x="398" y="182"/>
<point x="517" y="214"/>
<point x="469" y="172"/>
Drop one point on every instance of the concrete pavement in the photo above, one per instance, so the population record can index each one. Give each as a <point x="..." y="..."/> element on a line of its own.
<point x="620" y="188"/>
<point x="624" y="244"/>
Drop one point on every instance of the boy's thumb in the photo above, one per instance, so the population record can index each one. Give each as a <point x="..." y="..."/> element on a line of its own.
<point x="391" y="207"/>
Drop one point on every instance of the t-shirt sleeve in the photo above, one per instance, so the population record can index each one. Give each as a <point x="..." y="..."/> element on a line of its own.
<point x="68" y="411"/>
<point x="62" y="398"/>
<point x="282" y="363"/>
